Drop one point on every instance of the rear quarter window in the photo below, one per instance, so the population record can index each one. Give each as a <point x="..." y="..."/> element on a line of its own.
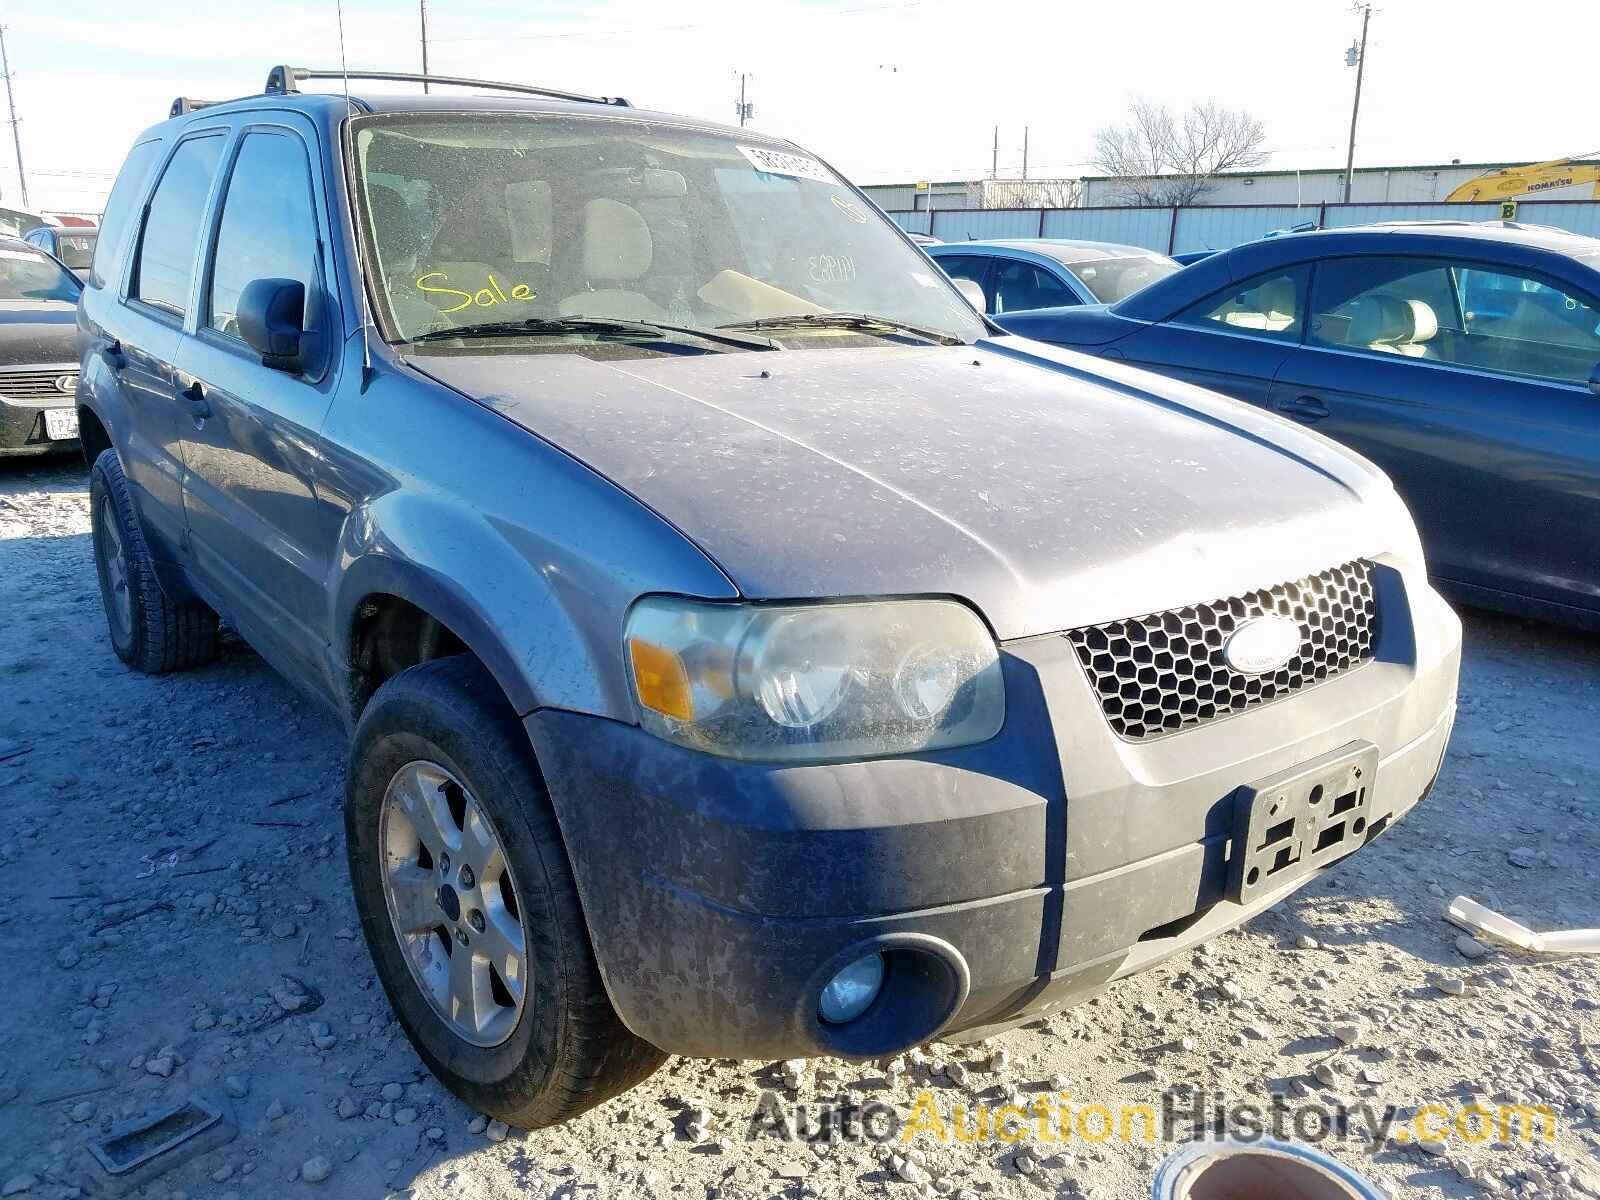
<point x="120" y="209"/>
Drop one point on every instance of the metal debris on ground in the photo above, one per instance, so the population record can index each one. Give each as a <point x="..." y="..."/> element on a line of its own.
<point x="1477" y="919"/>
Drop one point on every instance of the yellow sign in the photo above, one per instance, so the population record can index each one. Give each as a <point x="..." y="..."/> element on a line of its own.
<point x="1508" y="210"/>
<point x="487" y="296"/>
<point x="923" y="185"/>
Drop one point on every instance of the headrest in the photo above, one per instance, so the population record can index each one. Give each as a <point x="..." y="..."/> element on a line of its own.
<point x="392" y="225"/>
<point x="1381" y="318"/>
<point x="478" y="228"/>
<point x="1424" y="322"/>
<point x="662" y="184"/>
<point x="616" y="243"/>
<point x="1277" y="296"/>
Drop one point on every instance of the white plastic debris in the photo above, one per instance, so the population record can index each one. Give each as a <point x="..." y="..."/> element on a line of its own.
<point x="1475" y="918"/>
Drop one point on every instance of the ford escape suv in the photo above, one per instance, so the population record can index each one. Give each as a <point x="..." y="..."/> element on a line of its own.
<point x="748" y="651"/>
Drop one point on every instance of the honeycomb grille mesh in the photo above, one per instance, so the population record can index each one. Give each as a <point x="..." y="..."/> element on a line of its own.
<point x="1161" y="673"/>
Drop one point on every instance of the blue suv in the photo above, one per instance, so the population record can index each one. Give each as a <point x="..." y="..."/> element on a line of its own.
<point x="723" y="632"/>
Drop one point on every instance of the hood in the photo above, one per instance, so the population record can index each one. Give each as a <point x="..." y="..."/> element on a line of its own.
<point x="38" y="333"/>
<point x="1081" y="325"/>
<point x="1048" y="489"/>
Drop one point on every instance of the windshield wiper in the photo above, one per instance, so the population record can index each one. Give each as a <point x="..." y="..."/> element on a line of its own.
<point x="846" y="320"/>
<point x="600" y="326"/>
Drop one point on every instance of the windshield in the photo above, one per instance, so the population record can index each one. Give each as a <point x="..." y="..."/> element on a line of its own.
<point x="75" y="249"/>
<point x="29" y="275"/>
<point x="1113" y="279"/>
<point x="478" y="218"/>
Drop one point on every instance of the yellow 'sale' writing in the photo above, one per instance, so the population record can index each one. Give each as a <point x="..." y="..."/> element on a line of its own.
<point x="487" y="296"/>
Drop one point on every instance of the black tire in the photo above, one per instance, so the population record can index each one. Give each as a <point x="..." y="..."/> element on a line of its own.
<point x="148" y="630"/>
<point x="568" y="1051"/>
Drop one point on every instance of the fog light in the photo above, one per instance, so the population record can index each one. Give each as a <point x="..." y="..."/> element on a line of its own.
<point x="852" y="991"/>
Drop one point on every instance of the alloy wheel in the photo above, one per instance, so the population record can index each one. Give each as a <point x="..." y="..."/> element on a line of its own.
<point x="114" y="556"/>
<point x="452" y="903"/>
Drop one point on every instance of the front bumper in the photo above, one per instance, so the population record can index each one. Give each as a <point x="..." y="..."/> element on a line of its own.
<point x="1035" y="868"/>
<point x="22" y="428"/>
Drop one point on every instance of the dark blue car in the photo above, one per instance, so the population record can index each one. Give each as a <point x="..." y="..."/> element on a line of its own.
<point x="1461" y="358"/>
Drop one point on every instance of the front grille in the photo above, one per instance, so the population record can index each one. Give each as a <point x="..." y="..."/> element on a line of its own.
<point x="1164" y="672"/>
<point x="36" y="385"/>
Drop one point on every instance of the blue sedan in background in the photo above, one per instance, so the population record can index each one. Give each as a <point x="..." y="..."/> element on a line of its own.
<point x="1030" y="273"/>
<point x="1463" y="359"/>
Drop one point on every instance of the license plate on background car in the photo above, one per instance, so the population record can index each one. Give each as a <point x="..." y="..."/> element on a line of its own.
<point x="61" y="423"/>
<point x="1301" y="819"/>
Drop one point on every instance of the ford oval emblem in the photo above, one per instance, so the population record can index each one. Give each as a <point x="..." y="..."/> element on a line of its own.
<point x="1261" y="645"/>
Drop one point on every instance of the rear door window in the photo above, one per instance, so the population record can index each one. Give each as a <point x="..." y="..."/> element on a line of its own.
<point x="164" y="273"/>
<point x="1479" y="317"/>
<point x="1270" y="305"/>
<point x="1399" y="306"/>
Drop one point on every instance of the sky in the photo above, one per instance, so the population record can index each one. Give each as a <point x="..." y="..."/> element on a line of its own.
<point x="886" y="90"/>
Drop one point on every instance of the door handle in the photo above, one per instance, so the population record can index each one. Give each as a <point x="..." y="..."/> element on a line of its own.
<point x="195" y="394"/>
<point x="1303" y="408"/>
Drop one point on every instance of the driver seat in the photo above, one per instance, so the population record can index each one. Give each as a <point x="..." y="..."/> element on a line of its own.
<point x="617" y="251"/>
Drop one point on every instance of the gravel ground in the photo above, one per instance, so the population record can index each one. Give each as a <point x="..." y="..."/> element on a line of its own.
<point x="177" y="913"/>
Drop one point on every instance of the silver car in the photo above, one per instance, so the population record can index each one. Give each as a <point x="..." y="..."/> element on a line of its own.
<point x="749" y="651"/>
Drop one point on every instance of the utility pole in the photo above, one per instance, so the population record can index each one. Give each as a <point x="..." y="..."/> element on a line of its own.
<point x="1356" y="57"/>
<point x="11" y="99"/>
<point x="747" y="109"/>
<point x="994" y="166"/>
<point x="423" y="6"/>
<point x="1024" y="153"/>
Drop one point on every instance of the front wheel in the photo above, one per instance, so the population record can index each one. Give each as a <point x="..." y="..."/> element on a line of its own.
<point x="469" y="907"/>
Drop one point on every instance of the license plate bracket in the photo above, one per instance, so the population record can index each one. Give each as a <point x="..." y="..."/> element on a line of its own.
<point x="60" y="424"/>
<point x="1299" y="820"/>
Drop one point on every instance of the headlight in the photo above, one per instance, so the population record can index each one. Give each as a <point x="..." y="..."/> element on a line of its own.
<point x="795" y="682"/>
<point x="1398" y="527"/>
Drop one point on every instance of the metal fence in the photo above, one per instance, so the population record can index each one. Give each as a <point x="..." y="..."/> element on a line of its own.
<point x="1219" y="227"/>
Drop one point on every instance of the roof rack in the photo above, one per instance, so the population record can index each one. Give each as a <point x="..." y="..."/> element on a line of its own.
<point x="285" y="80"/>
<point x="188" y="104"/>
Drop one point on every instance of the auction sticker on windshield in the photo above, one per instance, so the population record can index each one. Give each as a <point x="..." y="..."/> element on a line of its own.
<point x="780" y="162"/>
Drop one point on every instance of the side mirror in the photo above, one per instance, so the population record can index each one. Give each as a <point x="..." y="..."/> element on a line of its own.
<point x="974" y="294"/>
<point x="271" y="316"/>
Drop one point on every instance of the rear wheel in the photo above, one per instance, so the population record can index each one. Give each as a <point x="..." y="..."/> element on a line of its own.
<point x="148" y="630"/>
<point x="469" y="907"/>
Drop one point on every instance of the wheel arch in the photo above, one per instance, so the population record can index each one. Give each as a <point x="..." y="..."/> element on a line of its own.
<point x="378" y="589"/>
<point x="93" y="436"/>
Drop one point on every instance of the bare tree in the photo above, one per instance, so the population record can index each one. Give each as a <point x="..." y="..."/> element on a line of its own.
<point x="1161" y="159"/>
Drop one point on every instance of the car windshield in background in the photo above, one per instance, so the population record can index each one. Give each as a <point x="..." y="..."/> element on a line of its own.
<point x="478" y="219"/>
<point x="75" y="249"/>
<point x="1114" y="279"/>
<point x="27" y="275"/>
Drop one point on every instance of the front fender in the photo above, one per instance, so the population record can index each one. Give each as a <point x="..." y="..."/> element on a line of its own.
<point x="527" y="555"/>
<point x="544" y="616"/>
